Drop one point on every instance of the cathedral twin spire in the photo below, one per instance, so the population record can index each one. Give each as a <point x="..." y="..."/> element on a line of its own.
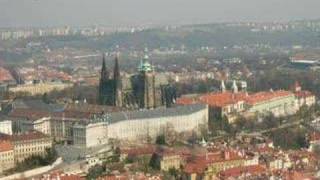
<point x="110" y="90"/>
<point x="104" y="71"/>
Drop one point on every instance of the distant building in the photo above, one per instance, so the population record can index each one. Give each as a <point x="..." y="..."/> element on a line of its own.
<point x="6" y="78"/>
<point x="278" y="103"/>
<point x="39" y="88"/>
<point x="54" y="120"/>
<point x="6" y="127"/>
<point x="142" y="90"/>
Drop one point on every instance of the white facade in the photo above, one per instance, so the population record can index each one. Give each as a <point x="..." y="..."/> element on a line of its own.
<point x="132" y="129"/>
<point x="135" y="129"/>
<point x="6" y="127"/>
<point x="90" y="135"/>
<point x="41" y="125"/>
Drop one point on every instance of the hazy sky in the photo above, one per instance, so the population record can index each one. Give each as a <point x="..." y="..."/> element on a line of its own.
<point x="131" y="12"/>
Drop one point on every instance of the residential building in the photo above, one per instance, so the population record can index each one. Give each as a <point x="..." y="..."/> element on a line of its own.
<point x="314" y="140"/>
<point x="245" y="172"/>
<point x="28" y="144"/>
<point x="6" y="155"/>
<point x="166" y="159"/>
<point x="209" y="165"/>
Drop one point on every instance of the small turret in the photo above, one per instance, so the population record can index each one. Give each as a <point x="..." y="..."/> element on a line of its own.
<point x="223" y="86"/>
<point x="296" y="87"/>
<point x="234" y="87"/>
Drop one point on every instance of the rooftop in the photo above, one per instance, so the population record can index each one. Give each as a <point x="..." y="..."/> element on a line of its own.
<point x="303" y="94"/>
<point x="200" y="162"/>
<point x="223" y="99"/>
<point x="238" y="171"/>
<point x="154" y="113"/>
<point x="31" y="135"/>
<point x="5" y="146"/>
<point x="266" y="96"/>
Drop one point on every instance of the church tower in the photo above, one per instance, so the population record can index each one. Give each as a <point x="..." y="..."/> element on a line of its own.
<point x="148" y="79"/>
<point x="117" y="83"/>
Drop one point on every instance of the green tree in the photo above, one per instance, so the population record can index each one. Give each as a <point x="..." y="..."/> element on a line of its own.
<point x="95" y="172"/>
<point x="161" y="140"/>
<point x="45" y="98"/>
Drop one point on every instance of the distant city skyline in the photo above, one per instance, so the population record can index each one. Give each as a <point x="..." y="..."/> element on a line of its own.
<point x="42" y="13"/>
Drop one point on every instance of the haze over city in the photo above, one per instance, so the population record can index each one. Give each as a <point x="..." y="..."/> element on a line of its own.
<point x="30" y="13"/>
<point x="160" y="89"/>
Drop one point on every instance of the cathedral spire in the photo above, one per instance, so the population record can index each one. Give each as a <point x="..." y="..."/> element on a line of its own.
<point x="117" y="83"/>
<point x="104" y="71"/>
<point x="116" y="71"/>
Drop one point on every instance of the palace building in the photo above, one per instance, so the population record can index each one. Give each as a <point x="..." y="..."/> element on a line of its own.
<point x="231" y="104"/>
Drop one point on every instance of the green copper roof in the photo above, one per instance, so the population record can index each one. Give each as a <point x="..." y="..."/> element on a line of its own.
<point x="144" y="65"/>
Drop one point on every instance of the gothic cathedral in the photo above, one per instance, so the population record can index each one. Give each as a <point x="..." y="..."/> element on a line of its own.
<point x="146" y="89"/>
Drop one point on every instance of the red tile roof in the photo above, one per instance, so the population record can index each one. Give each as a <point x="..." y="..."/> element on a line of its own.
<point x="31" y="135"/>
<point x="314" y="136"/>
<point x="303" y="94"/>
<point x="215" y="99"/>
<point x="5" y="75"/>
<point x="266" y="96"/>
<point x="238" y="171"/>
<point x="138" y="176"/>
<point x="60" y="176"/>
<point x="223" y="99"/>
<point x="197" y="168"/>
<point x="186" y="101"/>
<point x="33" y="114"/>
<point x="199" y="163"/>
<point x="139" y="151"/>
<point x="5" y="146"/>
<point x="295" y="175"/>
